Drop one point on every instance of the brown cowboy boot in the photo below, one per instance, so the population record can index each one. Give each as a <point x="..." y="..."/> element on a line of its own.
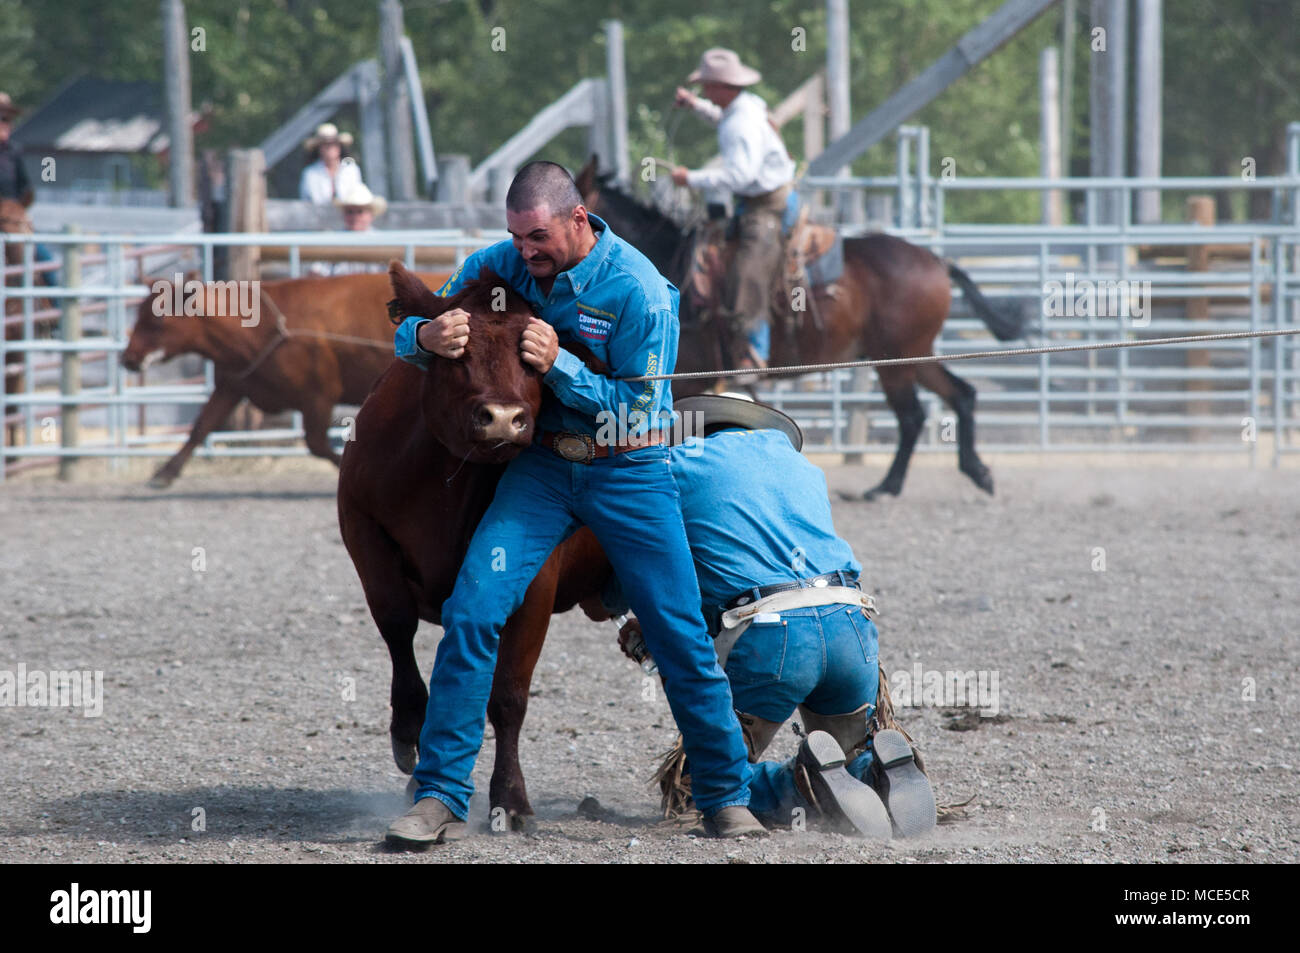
<point x="428" y="822"/>
<point x="733" y="822"/>
<point x="847" y="804"/>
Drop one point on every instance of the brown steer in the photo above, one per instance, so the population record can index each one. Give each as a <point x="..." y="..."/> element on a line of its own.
<point x="333" y="345"/>
<point x="428" y="449"/>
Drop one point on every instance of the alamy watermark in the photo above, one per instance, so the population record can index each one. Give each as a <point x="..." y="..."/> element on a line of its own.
<point x="918" y="686"/>
<point x="180" y="298"/>
<point x="620" y="427"/>
<point x="53" y="689"/>
<point x="1107" y="298"/>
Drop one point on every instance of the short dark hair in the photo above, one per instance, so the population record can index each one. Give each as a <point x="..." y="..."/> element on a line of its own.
<point x="543" y="183"/>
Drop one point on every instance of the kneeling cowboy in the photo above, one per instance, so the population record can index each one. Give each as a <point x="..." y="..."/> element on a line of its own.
<point x="792" y="628"/>
<point x="758" y="171"/>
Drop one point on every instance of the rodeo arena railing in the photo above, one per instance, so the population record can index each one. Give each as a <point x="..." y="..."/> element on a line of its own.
<point x="76" y="403"/>
<point x="1143" y="282"/>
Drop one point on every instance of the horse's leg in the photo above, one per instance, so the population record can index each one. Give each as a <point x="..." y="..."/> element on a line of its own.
<point x="392" y="605"/>
<point x="960" y="396"/>
<point x="214" y="412"/>
<point x="521" y="644"/>
<point x="315" y="429"/>
<point x="899" y="386"/>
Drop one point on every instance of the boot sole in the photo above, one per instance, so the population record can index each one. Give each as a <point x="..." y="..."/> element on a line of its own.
<point x="446" y="833"/>
<point x="908" y="794"/>
<point x="858" y="806"/>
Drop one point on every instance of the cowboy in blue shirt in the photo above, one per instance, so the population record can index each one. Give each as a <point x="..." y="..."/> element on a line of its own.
<point x="758" y="519"/>
<point x="592" y="288"/>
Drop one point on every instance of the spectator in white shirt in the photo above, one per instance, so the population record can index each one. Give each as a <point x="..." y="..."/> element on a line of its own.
<point x="758" y="171"/>
<point x="334" y="172"/>
<point x="360" y="209"/>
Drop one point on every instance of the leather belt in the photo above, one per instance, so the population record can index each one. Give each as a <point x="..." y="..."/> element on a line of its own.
<point x="582" y="447"/>
<point x="837" y="578"/>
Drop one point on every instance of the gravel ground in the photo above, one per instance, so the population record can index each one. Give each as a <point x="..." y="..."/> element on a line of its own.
<point x="1146" y="710"/>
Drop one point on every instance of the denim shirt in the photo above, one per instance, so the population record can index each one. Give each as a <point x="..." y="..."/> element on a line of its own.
<point x="615" y="303"/>
<point x="757" y="513"/>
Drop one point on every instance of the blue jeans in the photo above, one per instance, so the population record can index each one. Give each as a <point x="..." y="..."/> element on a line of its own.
<point x="824" y="657"/>
<point x="630" y="502"/>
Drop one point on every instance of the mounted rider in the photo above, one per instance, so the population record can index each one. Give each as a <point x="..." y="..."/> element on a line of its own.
<point x="758" y="171"/>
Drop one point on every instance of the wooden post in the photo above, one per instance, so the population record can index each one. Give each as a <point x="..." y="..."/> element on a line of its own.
<point x="247" y="198"/>
<point x="1200" y="211"/>
<point x="852" y="210"/>
<point x="176" y="83"/>
<point x="370" y="112"/>
<point x="616" y="77"/>
<point x="1069" y="21"/>
<point x="1148" y="119"/>
<point x="453" y="179"/>
<point x="70" y="372"/>
<point x="1049" y="156"/>
<point x="814" y="132"/>
<point x="397" y="112"/>
<point x="859" y="426"/>
<point x="247" y="180"/>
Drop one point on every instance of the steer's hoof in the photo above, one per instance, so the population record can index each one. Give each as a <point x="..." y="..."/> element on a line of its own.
<point x="160" y="481"/>
<point x="405" y="755"/>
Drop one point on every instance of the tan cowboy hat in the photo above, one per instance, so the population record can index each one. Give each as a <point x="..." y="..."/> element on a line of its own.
<point x="359" y="195"/>
<point x="7" y="108"/>
<point x="723" y="66"/>
<point x="740" y="410"/>
<point x="326" y="132"/>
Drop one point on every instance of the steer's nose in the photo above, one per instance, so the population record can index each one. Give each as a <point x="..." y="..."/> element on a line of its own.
<point x="501" y="421"/>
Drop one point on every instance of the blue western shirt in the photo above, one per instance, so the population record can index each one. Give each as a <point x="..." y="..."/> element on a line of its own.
<point x="615" y="303"/>
<point x="756" y="512"/>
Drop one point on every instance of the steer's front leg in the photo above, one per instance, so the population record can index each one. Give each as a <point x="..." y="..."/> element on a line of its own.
<point x="521" y="644"/>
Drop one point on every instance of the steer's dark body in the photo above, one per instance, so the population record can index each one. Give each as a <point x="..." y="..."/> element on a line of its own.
<point x="413" y="486"/>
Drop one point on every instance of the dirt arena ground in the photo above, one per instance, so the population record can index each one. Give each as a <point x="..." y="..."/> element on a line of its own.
<point x="1141" y="622"/>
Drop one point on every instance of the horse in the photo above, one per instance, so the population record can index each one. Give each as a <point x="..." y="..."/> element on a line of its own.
<point x="313" y="343"/>
<point x="416" y="479"/>
<point x="891" y="302"/>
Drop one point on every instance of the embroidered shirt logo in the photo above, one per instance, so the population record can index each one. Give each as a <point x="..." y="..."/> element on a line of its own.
<point x="593" y="328"/>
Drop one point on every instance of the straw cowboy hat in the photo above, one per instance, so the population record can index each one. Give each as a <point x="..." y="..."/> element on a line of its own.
<point x="7" y="108"/>
<point x="326" y="132"/>
<point x="360" y="196"/>
<point x="723" y="66"/>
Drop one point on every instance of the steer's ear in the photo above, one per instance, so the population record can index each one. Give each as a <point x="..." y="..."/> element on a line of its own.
<point x="412" y="296"/>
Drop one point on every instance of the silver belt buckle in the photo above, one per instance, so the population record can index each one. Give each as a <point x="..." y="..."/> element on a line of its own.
<point x="575" y="447"/>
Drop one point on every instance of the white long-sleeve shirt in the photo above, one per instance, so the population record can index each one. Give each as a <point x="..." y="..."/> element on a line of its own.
<point x="754" y="160"/>
<point x="317" y="186"/>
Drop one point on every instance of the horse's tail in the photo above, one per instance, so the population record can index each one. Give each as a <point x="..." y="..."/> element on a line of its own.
<point x="1005" y="325"/>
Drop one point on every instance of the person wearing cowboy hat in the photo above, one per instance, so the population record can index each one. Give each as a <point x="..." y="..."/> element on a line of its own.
<point x="758" y="171"/>
<point x="791" y="626"/>
<point x="360" y="209"/>
<point x="14" y="183"/>
<point x="333" y="173"/>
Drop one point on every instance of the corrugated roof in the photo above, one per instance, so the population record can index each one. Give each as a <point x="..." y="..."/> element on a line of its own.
<point x="97" y="115"/>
